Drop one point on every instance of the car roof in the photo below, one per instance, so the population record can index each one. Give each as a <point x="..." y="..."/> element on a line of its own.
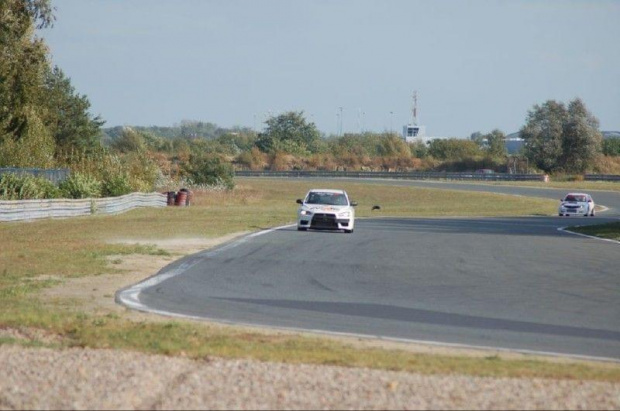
<point x="576" y="194"/>
<point x="326" y="190"/>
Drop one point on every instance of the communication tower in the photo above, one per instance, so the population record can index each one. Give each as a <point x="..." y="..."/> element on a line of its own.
<point x="413" y="130"/>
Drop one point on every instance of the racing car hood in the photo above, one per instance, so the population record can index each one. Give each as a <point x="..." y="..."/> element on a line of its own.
<point x="321" y="208"/>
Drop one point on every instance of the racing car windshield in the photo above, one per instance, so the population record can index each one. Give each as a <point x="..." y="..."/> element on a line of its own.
<point x="327" y="199"/>
<point x="575" y="198"/>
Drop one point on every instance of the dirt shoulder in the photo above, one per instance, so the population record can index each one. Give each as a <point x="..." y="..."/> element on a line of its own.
<point x="95" y="294"/>
<point x="107" y="379"/>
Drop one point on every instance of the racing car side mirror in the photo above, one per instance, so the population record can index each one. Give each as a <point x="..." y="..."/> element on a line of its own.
<point x="299" y="201"/>
<point x="353" y="203"/>
<point x="375" y="207"/>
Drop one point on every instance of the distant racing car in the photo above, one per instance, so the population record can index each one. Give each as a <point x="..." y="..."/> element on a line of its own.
<point x="324" y="209"/>
<point x="577" y="204"/>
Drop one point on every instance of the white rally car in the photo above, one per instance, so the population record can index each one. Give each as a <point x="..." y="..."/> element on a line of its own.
<point x="326" y="210"/>
<point x="577" y="204"/>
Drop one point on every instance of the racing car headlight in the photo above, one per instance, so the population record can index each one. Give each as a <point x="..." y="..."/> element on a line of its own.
<point x="305" y="212"/>
<point x="344" y="214"/>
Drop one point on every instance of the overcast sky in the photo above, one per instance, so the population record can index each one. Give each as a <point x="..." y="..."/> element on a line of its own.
<point x="476" y="65"/>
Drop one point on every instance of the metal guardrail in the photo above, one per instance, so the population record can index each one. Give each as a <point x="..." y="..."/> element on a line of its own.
<point x="54" y="175"/>
<point x="602" y="177"/>
<point x="397" y="175"/>
<point x="22" y="210"/>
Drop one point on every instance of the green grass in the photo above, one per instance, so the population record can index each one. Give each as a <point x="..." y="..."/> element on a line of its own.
<point x="40" y="254"/>
<point x="610" y="231"/>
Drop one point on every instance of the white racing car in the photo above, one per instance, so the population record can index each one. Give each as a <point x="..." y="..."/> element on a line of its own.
<point x="326" y="210"/>
<point x="577" y="204"/>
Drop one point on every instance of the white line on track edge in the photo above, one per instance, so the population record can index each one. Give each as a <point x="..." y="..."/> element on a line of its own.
<point x="130" y="296"/>
<point x="565" y="230"/>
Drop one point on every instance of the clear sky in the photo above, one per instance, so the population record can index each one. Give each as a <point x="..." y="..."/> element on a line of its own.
<point x="476" y="65"/>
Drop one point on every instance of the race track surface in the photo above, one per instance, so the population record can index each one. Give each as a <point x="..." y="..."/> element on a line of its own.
<point x="509" y="283"/>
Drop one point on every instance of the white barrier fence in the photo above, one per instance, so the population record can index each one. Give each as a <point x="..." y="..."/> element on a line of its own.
<point x="21" y="210"/>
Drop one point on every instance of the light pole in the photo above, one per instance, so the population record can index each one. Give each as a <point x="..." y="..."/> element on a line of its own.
<point x="391" y="117"/>
<point x="338" y="124"/>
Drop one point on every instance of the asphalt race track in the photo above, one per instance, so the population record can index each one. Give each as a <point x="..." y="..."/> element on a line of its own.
<point x="514" y="283"/>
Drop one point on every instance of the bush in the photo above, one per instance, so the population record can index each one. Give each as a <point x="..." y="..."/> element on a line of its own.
<point x="253" y="159"/>
<point x="611" y="147"/>
<point x="141" y="170"/>
<point x="607" y="165"/>
<point x="209" y="171"/>
<point x="116" y="184"/>
<point x="453" y="149"/>
<point x="26" y="187"/>
<point x="81" y="185"/>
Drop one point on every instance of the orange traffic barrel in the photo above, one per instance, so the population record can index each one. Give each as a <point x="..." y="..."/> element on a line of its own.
<point x="190" y="196"/>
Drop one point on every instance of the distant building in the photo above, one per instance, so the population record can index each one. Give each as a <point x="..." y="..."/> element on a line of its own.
<point x="413" y="132"/>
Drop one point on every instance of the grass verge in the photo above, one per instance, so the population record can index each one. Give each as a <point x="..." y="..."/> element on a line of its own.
<point x="200" y="341"/>
<point x="41" y="254"/>
<point x="567" y="185"/>
<point x="610" y="231"/>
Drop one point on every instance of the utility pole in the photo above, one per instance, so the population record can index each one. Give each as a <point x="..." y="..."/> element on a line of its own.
<point x="338" y="124"/>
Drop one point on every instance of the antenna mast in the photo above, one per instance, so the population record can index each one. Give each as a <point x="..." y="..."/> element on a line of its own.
<point x="414" y="110"/>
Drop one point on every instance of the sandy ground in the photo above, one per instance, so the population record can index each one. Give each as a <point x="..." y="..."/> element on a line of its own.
<point x="95" y="294"/>
<point x="106" y="379"/>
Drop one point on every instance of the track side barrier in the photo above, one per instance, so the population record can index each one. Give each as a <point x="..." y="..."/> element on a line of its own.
<point x="602" y="177"/>
<point x="398" y="175"/>
<point x="23" y="210"/>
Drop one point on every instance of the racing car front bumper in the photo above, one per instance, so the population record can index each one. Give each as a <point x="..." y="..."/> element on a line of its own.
<point x="322" y="221"/>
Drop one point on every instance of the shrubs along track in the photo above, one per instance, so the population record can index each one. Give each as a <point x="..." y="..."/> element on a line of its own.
<point x="16" y="187"/>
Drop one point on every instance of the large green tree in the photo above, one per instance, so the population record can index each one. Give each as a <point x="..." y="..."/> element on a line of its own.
<point x="67" y="113"/>
<point x="560" y="138"/>
<point x="39" y="109"/>
<point x="495" y="143"/>
<point x="581" y="140"/>
<point x="290" y="132"/>
<point x="23" y="61"/>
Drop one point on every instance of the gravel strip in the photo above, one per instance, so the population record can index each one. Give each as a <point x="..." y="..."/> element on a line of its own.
<point x="106" y="379"/>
